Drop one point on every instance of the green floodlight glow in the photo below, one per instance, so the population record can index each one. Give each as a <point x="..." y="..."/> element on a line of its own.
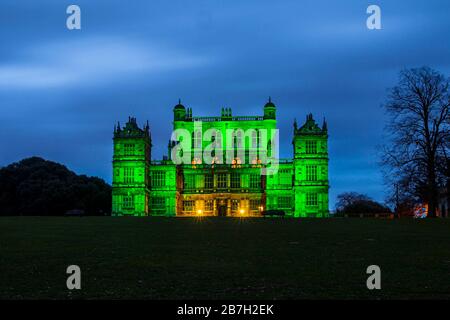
<point x="143" y="187"/>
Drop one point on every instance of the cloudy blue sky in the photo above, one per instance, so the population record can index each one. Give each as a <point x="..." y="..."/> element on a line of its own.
<point x="62" y="91"/>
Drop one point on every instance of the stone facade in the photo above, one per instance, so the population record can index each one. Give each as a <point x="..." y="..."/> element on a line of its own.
<point x="231" y="182"/>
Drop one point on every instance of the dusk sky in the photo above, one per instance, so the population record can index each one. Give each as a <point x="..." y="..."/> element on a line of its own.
<point x="62" y="91"/>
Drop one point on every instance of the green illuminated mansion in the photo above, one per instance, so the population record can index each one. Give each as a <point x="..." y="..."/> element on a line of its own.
<point x="232" y="181"/>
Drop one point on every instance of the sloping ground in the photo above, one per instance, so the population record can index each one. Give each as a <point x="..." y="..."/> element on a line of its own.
<point x="212" y="258"/>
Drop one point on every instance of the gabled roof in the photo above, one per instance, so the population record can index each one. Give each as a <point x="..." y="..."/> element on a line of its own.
<point x="311" y="127"/>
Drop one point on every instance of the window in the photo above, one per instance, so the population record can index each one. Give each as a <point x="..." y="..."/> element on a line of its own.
<point x="222" y="180"/>
<point x="255" y="204"/>
<point x="188" y="205"/>
<point x="158" y="179"/>
<point x="128" y="175"/>
<point x="254" y="139"/>
<point x="128" y="202"/>
<point x="158" y="201"/>
<point x="218" y="140"/>
<point x="209" y="181"/>
<point x="311" y="173"/>
<point x="189" y="181"/>
<point x="209" y="205"/>
<point x="129" y="149"/>
<point x="311" y="199"/>
<point x="158" y="205"/>
<point x="234" y="204"/>
<point x="235" y="180"/>
<point x="199" y="183"/>
<point x="255" y="181"/>
<point x="285" y="177"/>
<point x="311" y="147"/>
<point x="239" y="138"/>
<point x="216" y="144"/>
<point x="284" y="202"/>
<point x="197" y="139"/>
<point x="237" y="142"/>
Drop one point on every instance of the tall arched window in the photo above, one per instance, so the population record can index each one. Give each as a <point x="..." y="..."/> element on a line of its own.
<point x="198" y="139"/>
<point x="254" y="139"/>
<point x="239" y="138"/>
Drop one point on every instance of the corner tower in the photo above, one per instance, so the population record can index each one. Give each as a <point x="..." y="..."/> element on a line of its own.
<point x="131" y="162"/>
<point x="311" y="169"/>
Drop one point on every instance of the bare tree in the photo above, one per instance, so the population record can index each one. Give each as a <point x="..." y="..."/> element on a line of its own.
<point x="416" y="157"/>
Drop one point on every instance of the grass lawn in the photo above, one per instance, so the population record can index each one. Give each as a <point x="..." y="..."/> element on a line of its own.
<point x="223" y="258"/>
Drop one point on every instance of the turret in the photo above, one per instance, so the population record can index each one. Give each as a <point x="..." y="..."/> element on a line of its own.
<point x="179" y="112"/>
<point x="324" y="126"/>
<point x="270" y="110"/>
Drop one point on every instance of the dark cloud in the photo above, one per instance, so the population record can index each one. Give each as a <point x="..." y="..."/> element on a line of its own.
<point x="62" y="91"/>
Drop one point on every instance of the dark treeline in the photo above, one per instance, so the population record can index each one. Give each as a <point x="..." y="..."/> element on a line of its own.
<point x="35" y="186"/>
<point x="353" y="203"/>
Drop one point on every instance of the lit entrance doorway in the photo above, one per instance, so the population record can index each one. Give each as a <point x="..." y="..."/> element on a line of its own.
<point x="222" y="207"/>
<point x="222" y="212"/>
